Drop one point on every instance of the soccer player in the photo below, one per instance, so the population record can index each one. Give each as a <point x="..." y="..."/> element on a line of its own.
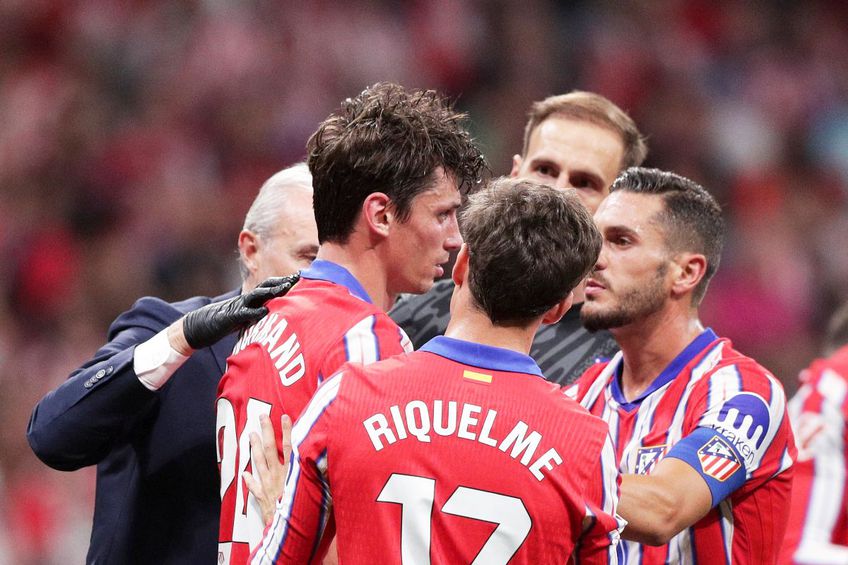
<point x="461" y="452"/>
<point x="388" y="169"/>
<point x="578" y="140"/>
<point x="818" y="516"/>
<point x="140" y="409"/>
<point x="700" y="429"/>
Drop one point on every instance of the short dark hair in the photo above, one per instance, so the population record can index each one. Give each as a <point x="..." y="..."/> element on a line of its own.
<point x="692" y="216"/>
<point x="593" y="108"/>
<point x="391" y="140"/>
<point x="529" y="245"/>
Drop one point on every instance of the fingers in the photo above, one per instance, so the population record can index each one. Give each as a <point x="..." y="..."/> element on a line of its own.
<point x="257" y="455"/>
<point x="269" y="442"/>
<point x="277" y="281"/>
<point x="287" y="444"/>
<point x="270" y="288"/>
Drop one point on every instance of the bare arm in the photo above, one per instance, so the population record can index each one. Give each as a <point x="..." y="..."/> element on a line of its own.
<point x="658" y="506"/>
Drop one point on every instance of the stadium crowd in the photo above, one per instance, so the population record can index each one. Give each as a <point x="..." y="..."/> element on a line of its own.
<point x="135" y="136"/>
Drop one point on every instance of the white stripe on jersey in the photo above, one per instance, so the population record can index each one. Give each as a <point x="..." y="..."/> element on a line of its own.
<point x="272" y="541"/>
<point x="725" y="508"/>
<point x="597" y="387"/>
<point x="826" y="496"/>
<point x="777" y="410"/>
<point x="361" y="343"/>
<point x="641" y="427"/>
<point x="705" y="365"/>
<point x="609" y="468"/>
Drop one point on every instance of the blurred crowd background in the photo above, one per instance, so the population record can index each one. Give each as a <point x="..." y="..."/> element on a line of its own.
<point x="134" y="135"/>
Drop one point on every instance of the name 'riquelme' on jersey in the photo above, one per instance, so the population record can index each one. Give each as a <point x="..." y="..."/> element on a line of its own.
<point x="459" y="452"/>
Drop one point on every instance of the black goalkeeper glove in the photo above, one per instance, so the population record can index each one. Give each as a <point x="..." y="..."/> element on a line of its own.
<point x="207" y="325"/>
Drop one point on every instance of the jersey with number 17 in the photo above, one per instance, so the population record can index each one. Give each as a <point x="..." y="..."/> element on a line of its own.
<point x="457" y="453"/>
<point x="327" y="319"/>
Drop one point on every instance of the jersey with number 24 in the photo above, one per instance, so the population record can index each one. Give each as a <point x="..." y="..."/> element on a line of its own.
<point x="327" y="319"/>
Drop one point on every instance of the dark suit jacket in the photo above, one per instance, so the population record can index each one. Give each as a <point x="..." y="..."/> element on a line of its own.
<point x="157" y="491"/>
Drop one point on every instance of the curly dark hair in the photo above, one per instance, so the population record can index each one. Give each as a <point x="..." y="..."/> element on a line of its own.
<point x="529" y="245"/>
<point x="390" y="140"/>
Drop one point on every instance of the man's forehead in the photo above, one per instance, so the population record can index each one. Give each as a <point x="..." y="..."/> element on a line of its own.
<point x="629" y="209"/>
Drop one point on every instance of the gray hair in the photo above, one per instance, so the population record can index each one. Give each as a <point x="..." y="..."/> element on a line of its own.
<point x="264" y="213"/>
<point x="271" y="200"/>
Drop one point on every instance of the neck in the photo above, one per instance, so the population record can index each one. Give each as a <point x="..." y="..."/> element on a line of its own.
<point x="363" y="264"/>
<point x="470" y="324"/>
<point x="649" y="345"/>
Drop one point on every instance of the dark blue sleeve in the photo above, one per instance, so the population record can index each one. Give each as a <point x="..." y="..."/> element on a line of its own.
<point x="78" y="423"/>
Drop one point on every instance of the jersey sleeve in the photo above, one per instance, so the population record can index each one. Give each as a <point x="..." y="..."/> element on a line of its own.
<point x="373" y="338"/>
<point x="741" y="432"/>
<point x="818" y="514"/>
<point x="602" y="526"/>
<point x="302" y="528"/>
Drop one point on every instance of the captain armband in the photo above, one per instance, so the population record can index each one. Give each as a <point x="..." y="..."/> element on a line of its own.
<point x="715" y="459"/>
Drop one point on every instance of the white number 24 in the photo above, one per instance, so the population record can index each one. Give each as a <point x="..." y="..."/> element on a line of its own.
<point x="416" y="495"/>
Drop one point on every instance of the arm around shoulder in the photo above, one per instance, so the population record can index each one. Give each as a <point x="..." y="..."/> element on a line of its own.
<point x="80" y="421"/>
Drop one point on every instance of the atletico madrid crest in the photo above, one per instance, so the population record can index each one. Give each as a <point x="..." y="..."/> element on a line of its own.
<point x="718" y="460"/>
<point x="648" y="457"/>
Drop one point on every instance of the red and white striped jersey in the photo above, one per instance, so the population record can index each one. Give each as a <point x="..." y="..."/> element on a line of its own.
<point x="457" y="453"/>
<point x="729" y="415"/>
<point x="326" y="320"/>
<point x="818" y="517"/>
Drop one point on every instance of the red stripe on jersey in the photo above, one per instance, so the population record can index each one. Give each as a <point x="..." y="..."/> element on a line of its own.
<point x="673" y="408"/>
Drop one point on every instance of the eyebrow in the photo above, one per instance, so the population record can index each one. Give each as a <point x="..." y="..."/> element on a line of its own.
<point x="620" y="230"/>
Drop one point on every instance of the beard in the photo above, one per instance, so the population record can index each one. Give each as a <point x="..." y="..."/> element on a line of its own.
<point x="633" y="304"/>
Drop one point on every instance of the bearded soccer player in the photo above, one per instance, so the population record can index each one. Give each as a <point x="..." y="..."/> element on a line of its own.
<point x="579" y="141"/>
<point x="461" y="452"/>
<point x="700" y="429"/>
<point x="387" y="169"/>
<point x="818" y="516"/>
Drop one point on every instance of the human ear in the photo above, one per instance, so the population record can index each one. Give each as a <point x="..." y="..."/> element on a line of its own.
<point x="558" y="310"/>
<point x="249" y="248"/>
<point x="517" y="161"/>
<point x="378" y="213"/>
<point x="690" y="270"/>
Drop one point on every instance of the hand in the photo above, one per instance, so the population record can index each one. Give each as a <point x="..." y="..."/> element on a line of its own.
<point x="207" y="325"/>
<point x="269" y="473"/>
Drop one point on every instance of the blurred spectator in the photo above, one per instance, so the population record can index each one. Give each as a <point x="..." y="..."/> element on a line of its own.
<point x="818" y="514"/>
<point x="162" y="118"/>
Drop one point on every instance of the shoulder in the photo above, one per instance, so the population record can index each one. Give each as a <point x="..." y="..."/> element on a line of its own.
<point x="728" y="369"/>
<point x="154" y="313"/>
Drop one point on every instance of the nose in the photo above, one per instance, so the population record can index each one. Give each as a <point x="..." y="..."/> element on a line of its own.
<point x="563" y="181"/>
<point x="601" y="263"/>
<point x="453" y="241"/>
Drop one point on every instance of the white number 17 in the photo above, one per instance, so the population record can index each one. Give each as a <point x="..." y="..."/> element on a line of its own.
<point x="416" y="495"/>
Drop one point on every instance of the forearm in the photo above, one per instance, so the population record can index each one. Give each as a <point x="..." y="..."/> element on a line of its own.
<point x="660" y="505"/>
<point x="649" y="510"/>
<point x="77" y="424"/>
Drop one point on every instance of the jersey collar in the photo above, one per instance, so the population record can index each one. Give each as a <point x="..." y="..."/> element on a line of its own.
<point x="668" y="374"/>
<point x="324" y="270"/>
<point x="483" y="356"/>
